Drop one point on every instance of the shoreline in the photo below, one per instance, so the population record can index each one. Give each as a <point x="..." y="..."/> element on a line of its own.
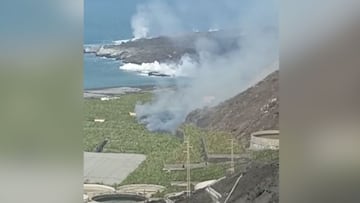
<point x="121" y="90"/>
<point x="142" y="87"/>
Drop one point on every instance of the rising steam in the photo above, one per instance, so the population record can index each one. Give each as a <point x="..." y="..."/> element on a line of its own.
<point x="214" y="77"/>
<point x="140" y="25"/>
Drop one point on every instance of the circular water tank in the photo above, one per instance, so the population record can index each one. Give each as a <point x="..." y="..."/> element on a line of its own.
<point x="267" y="139"/>
<point x="119" y="198"/>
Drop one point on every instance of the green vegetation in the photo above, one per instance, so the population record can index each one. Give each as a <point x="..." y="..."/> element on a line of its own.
<point x="125" y="134"/>
<point x="265" y="155"/>
<point x="217" y="142"/>
<point x="123" y="131"/>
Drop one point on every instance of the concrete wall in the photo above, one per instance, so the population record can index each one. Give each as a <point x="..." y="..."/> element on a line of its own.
<point x="268" y="139"/>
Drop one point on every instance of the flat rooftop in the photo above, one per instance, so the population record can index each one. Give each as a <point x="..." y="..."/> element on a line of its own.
<point x="109" y="168"/>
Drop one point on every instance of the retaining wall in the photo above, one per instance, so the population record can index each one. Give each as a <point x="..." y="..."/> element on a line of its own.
<point x="267" y="139"/>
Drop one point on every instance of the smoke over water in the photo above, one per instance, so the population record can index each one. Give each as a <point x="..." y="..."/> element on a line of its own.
<point x="182" y="68"/>
<point x="214" y="77"/>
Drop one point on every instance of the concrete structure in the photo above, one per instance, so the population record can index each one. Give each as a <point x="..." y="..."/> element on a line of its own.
<point x="118" y="197"/>
<point x="109" y="168"/>
<point x="174" y="195"/>
<point x="204" y="184"/>
<point x="96" y="188"/>
<point x="91" y="190"/>
<point x="104" y="98"/>
<point x="215" y="195"/>
<point x="99" y="120"/>
<point x="146" y="190"/>
<point x="108" y="98"/>
<point x="267" y="139"/>
<point x="182" y="183"/>
<point x="85" y="198"/>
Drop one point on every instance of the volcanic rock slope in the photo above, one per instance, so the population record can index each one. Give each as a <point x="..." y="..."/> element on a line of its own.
<point x="258" y="184"/>
<point x="167" y="48"/>
<point x="257" y="108"/>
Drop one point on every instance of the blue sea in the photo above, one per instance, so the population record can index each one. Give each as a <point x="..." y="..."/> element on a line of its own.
<point x="106" y="21"/>
<point x="102" y="73"/>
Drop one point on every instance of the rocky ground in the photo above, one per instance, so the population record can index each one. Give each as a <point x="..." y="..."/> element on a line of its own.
<point x="106" y="92"/>
<point x="164" y="48"/>
<point x="259" y="184"/>
<point x="257" y="108"/>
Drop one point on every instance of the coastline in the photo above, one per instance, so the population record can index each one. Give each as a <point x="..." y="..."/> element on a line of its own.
<point x="163" y="49"/>
<point x="142" y="87"/>
<point x="121" y="90"/>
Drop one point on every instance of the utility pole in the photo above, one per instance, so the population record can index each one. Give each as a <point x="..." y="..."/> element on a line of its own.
<point x="188" y="178"/>
<point x="232" y="164"/>
<point x="188" y="168"/>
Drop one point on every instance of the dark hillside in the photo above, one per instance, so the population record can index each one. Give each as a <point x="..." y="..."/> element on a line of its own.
<point x="257" y="108"/>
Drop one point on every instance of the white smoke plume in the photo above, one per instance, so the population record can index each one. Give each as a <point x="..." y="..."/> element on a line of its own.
<point x="156" y="17"/>
<point x="215" y="77"/>
<point x="140" y="26"/>
<point x="184" y="67"/>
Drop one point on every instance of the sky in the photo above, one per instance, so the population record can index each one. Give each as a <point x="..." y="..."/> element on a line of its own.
<point x="110" y="20"/>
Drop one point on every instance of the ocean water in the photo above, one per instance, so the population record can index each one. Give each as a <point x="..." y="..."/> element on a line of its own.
<point x="102" y="73"/>
<point x="106" y="21"/>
